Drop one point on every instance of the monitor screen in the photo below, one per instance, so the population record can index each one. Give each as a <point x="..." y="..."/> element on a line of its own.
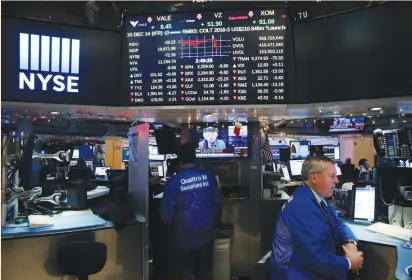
<point x="299" y="149"/>
<point x="101" y="170"/>
<point x="276" y="150"/>
<point x="364" y="203"/>
<point x="220" y="140"/>
<point x="125" y="154"/>
<point x="47" y="62"/>
<point x="207" y="57"/>
<point x="296" y="167"/>
<point x="347" y="124"/>
<point x="285" y="172"/>
<point x="82" y="152"/>
<point x="332" y="151"/>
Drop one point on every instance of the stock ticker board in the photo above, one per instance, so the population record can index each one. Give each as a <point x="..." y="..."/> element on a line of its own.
<point x="228" y="57"/>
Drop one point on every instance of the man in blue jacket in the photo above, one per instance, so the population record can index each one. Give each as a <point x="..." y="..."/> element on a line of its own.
<point x="191" y="201"/>
<point x="308" y="232"/>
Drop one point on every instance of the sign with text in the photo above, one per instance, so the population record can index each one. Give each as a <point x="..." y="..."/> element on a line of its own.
<point x="46" y="62"/>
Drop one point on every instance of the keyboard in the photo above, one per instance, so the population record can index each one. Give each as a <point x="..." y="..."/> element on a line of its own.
<point x="391" y="230"/>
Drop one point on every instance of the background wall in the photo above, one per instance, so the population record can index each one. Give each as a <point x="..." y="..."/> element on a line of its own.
<point x="357" y="147"/>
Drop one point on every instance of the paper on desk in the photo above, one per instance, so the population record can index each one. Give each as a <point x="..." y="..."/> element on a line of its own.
<point x="160" y="195"/>
<point x="71" y="213"/>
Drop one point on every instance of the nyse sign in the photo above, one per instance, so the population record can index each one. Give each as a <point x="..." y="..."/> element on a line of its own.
<point x="59" y="82"/>
<point x="57" y="56"/>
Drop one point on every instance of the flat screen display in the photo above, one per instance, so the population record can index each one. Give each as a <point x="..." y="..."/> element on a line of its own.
<point x="82" y="152"/>
<point x="53" y="63"/>
<point x="347" y="124"/>
<point x="207" y="57"/>
<point x="101" y="170"/>
<point x="332" y="151"/>
<point x="296" y="167"/>
<point x="299" y="149"/>
<point x="364" y="203"/>
<point x="276" y="150"/>
<point x="331" y="43"/>
<point x="220" y="140"/>
<point x="125" y="154"/>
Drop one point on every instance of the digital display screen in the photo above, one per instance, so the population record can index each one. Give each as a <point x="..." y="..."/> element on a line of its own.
<point x="125" y="154"/>
<point x="53" y="63"/>
<point x="82" y="152"/>
<point x="101" y="170"/>
<point x="208" y="57"/>
<point x="364" y="203"/>
<point x="220" y="140"/>
<point x="296" y="167"/>
<point x="347" y="124"/>
<point x="299" y="149"/>
<point x="390" y="145"/>
<point x="276" y="150"/>
<point x="332" y="152"/>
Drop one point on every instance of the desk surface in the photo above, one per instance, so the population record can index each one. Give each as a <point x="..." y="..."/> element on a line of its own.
<point x="404" y="255"/>
<point x="61" y="224"/>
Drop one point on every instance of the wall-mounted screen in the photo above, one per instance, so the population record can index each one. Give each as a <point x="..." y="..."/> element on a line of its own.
<point x="53" y="63"/>
<point x="347" y="124"/>
<point x="218" y="140"/>
<point x="299" y="149"/>
<point x="207" y="57"/>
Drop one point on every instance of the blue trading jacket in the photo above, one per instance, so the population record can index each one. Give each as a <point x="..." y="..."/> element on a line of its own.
<point x="303" y="247"/>
<point x="189" y="200"/>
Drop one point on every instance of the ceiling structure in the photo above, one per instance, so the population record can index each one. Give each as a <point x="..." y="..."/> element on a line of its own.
<point x="184" y="114"/>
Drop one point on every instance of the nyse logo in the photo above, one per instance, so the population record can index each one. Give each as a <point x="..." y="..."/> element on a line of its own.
<point x="57" y="56"/>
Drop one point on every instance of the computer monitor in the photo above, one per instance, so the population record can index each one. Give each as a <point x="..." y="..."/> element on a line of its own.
<point x="100" y="171"/>
<point x="299" y="149"/>
<point x="364" y="208"/>
<point x="296" y="167"/>
<point x="285" y="172"/>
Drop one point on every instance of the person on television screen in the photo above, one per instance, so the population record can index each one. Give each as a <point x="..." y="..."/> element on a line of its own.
<point x="210" y="139"/>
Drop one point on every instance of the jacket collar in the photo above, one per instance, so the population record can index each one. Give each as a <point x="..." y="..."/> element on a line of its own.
<point x="314" y="196"/>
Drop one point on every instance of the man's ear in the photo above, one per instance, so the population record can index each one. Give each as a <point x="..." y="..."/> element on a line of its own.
<point x="313" y="178"/>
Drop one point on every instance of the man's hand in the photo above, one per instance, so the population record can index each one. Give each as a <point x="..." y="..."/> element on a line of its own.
<point x="353" y="249"/>
<point x="356" y="258"/>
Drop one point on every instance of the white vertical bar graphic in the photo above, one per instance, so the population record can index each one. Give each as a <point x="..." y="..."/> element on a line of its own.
<point x="45" y="53"/>
<point x="75" y="56"/>
<point x="55" y="46"/>
<point x="65" y="55"/>
<point x="24" y="51"/>
<point x="34" y="52"/>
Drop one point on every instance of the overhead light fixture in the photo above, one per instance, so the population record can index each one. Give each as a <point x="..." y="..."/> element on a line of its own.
<point x="55" y="113"/>
<point x="376" y="108"/>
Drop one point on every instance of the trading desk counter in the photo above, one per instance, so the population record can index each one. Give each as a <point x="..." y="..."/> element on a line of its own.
<point x="384" y="255"/>
<point x="67" y="222"/>
<point x="37" y="247"/>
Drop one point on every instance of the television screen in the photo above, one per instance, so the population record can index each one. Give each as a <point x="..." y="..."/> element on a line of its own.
<point x="347" y="124"/>
<point x="276" y="150"/>
<point x="299" y="149"/>
<point x="217" y="140"/>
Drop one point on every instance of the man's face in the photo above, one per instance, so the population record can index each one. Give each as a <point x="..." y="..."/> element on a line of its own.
<point x="325" y="182"/>
<point x="210" y="136"/>
<point x="366" y="164"/>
